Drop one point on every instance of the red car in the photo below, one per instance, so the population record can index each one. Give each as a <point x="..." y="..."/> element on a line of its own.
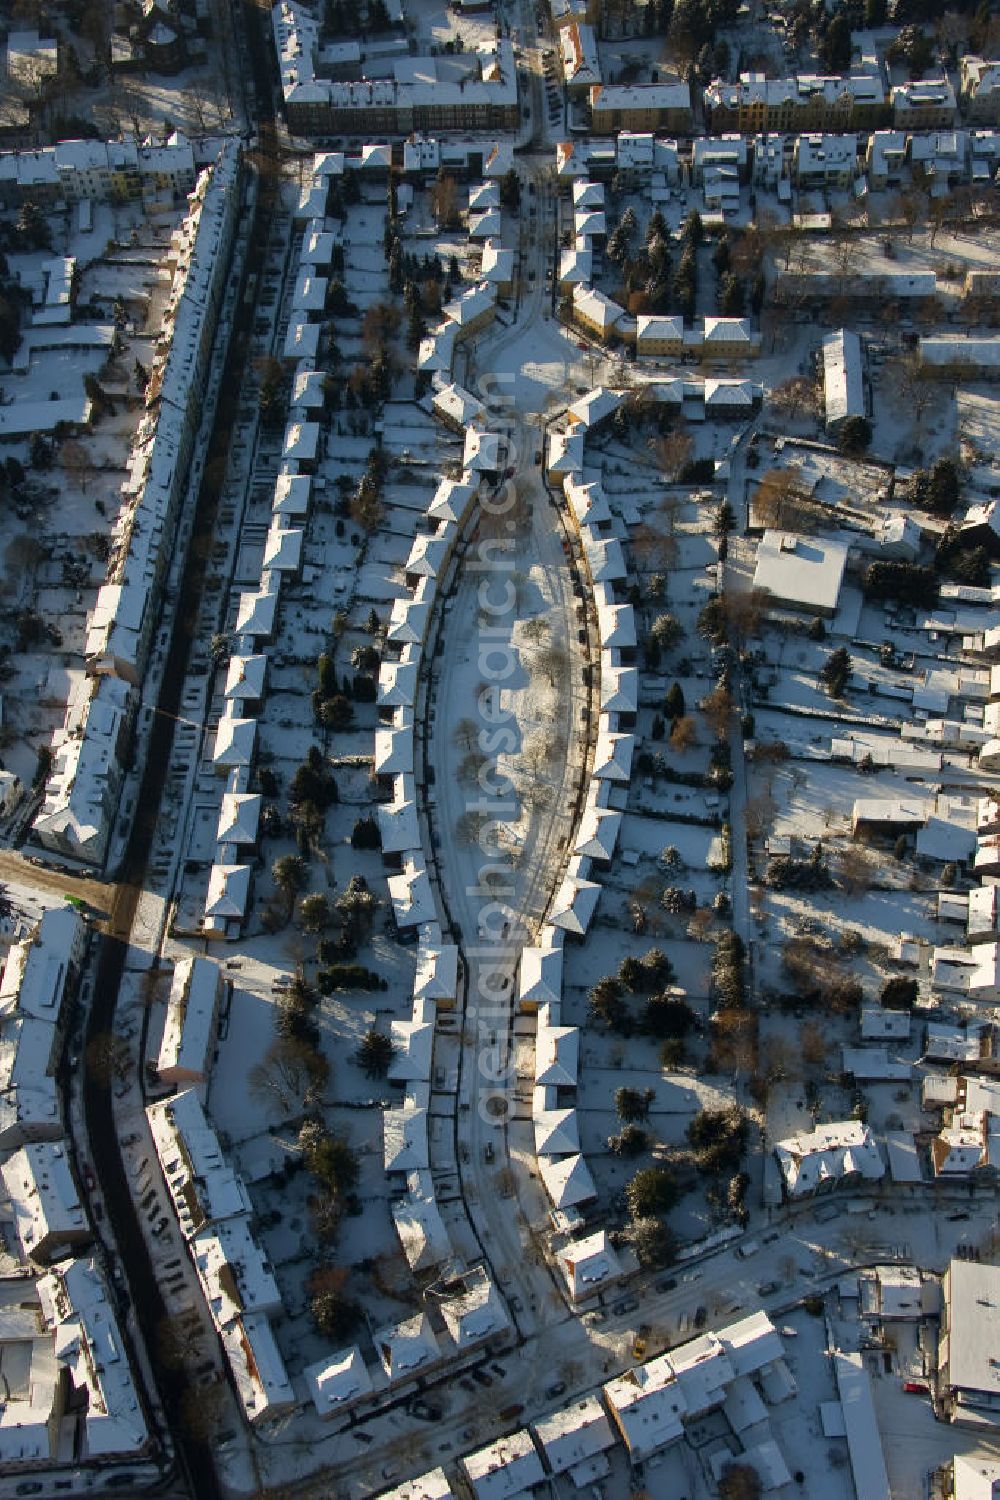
<point x="915" y="1388"/>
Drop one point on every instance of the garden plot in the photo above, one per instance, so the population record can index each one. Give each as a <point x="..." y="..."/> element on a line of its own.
<point x="649" y="836"/>
<point x="437" y="24"/>
<point x="813" y="802"/>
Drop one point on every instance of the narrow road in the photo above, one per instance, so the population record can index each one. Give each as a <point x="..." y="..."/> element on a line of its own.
<point x="546" y="697"/>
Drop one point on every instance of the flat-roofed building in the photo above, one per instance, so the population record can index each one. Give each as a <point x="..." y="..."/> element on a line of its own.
<point x="640" y="106"/>
<point x="968" y="1366"/>
<point x="843" y="379"/>
<point x="45" y="1203"/>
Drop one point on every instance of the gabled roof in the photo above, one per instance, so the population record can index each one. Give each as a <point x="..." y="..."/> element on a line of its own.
<point x="567" y="1180"/>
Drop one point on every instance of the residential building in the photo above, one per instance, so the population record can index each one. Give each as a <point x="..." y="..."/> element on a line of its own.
<point x="927" y="104"/>
<point x="828" y="1156"/>
<point x="968" y="1370"/>
<point x="979" y="90"/>
<point x="189" y="1031"/>
<point x="825" y="161"/>
<point x="599" y="314"/>
<point x="885" y="159"/>
<point x="49" y="1219"/>
<point x="659" y="336"/>
<point x="457" y="91"/>
<point x="204" y="1188"/>
<point x="581" y="62"/>
<point x="843" y="379"/>
<point x="339" y="1382"/>
<point x="97" y="1403"/>
<point x="758" y="104"/>
<point x="640" y="106"/>
<point x="575" y="1439"/>
<point x="801" y="573"/>
<point x="589" y="1265"/>
<point x="956" y="356"/>
<point x="505" y="1470"/>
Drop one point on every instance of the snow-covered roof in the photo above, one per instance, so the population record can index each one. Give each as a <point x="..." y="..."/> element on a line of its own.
<point x="35" y="973"/>
<point x="648" y="1406"/>
<point x="413" y="1043"/>
<point x="972" y="1293"/>
<point x="801" y="571"/>
<point x="189" y="1027"/>
<point x="455" y="404"/>
<point x="619" y="685"/>
<point x="436" y="977"/>
<point x="405" y="1139"/>
<point x="504" y="1470"/>
<point x="540" y="976"/>
<point x="452" y="499"/>
<point x="598" y="830"/>
<point x="557" y="1131"/>
<point x="587" y="411"/>
<point x="234" y="1272"/>
<point x="843" y="383"/>
<point x="576" y="899"/>
<point x="430" y="1486"/>
<point x="43" y="1198"/>
<point x="258" y="1371"/>
<point x="475" y="1313"/>
<point x="239" y="818"/>
<point x="589" y="1264"/>
<point x="200" y="1180"/>
<point x="658" y="328"/>
<point x="575" y="1434"/>
<point x="235" y="742"/>
<point x="397" y="684"/>
<point x="565" y="453"/>
<point x="90" y="1346"/>
<point x="567" y="1180"/>
<point x="411" y="894"/>
<point x="557" y="1054"/>
<point x="336" y="1382"/>
<point x="245" y="677"/>
<point x="397" y="820"/>
<point x="613" y="753"/>
<point x="291" y="494"/>
<point x="406" y="1347"/>
<point x="828" y="1152"/>
<point x="418" y="1221"/>
<point x="228" y="891"/>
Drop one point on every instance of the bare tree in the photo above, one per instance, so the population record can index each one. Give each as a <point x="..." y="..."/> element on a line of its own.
<point x="780" y="500"/>
<point x="759" y="813"/>
<point x="282" y="1077"/>
<point x="553" y="661"/>
<point x="717" y="709"/>
<point x="813" y="1045"/>
<point x="795" y="396"/>
<point x="854" y="869"/>
<point x="673" y="451"/>
<point x="909" y="207"/>
<point x="466" y="734"/>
